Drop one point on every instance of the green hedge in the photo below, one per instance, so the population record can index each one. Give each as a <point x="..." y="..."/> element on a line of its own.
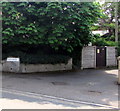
<point x="28" y="58"/>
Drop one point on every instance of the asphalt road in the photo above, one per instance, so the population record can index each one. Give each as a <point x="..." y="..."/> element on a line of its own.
<point x="13" y="99"/>
<point x="83" y="90"/>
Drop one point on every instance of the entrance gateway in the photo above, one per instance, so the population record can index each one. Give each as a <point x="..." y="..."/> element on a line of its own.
<point x="100" y="56"/>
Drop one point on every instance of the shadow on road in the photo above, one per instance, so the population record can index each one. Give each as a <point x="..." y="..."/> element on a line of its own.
<point x="94" y="86"/>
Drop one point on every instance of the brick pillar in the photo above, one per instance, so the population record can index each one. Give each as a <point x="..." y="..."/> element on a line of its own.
<point x="119" y="70"/>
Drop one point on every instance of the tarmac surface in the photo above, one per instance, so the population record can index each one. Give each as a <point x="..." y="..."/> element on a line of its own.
<point x="84" y="89"/>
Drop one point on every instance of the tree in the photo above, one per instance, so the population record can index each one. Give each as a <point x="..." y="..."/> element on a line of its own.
<point x="57" y="24"/>
<point x="107" y="21"/>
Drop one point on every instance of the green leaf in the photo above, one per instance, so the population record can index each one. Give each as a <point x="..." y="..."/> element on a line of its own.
<point x="51" y="42"/>
<point x="52" y="23"/>
<point x="69" y="50"/>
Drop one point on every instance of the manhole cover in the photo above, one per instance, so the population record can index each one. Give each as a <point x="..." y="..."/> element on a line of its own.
<point x="59" y="83"/>
<point x="95" y="92"/>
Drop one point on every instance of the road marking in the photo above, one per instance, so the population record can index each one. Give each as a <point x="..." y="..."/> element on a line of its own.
<point x="49" y="98"/>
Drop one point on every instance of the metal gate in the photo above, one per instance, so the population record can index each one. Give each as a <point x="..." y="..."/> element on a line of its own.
<point x="100" y="56"/>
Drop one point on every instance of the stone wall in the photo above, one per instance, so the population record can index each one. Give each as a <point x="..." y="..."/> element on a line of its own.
<point x="32" y="68"/>
<point x="111" y="56"/>
<point x="89" y="57"/>
<point x="45" y="67"/>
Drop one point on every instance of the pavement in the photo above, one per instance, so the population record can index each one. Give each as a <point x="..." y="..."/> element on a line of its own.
<point x="84" y="89"/>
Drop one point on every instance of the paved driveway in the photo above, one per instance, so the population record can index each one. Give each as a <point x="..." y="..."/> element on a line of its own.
<point x="87" y="86"/>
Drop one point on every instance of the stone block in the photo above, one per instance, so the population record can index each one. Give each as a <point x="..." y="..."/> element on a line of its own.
<point x="11" y="65"/>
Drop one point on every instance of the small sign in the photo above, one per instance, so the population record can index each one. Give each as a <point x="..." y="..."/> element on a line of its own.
<point x="13" y="59"/>
<point x="98" y="51"/>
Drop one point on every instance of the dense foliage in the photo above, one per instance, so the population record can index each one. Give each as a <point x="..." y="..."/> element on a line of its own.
<point x="34" y="54"/>
<point x="56" y="24"/>
<point x="47" y="32"/>
<point x="37" y="58"/>
<point x="97" y="40"/>
<point x="107" y="21"/>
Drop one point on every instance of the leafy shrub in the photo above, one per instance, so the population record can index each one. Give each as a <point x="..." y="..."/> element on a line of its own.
<point x="63" y="26"/>
<point x="28" y="58"/>
<point x="103" y="42"/>
<point x="57" y="24"/>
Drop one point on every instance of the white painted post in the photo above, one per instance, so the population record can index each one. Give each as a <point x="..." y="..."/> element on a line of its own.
<point x="119" y="70"/>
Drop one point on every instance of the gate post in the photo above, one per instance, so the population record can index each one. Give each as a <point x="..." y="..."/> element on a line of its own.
<point x="119" y="70"/>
